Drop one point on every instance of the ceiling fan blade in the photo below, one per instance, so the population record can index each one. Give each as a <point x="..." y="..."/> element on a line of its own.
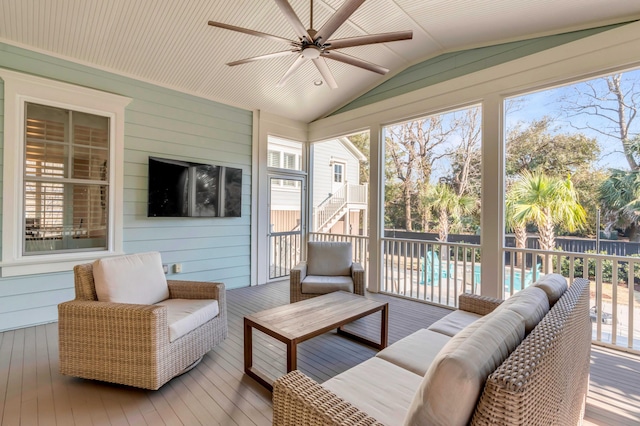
<point x="341" y="57"/>
<point x="251" y="32"/>
<point x="338" y="18"/>
<point x="258" y="58"/>
<point x="325" y="72"/>
<point x="293" y="19"/>
<point x="291" y="70"/>
<point x="369" y="39"/>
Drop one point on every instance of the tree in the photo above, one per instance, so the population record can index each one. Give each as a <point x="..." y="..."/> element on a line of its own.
<point x="361" y="141"/>
<point x="620" y="196"/>
<point x="548" y="202"/>
<point x="612" y="100"/>
<point x="537" y="149"/>
<point x="518" y="226"/>
<point x="410" y="147"/>
<point x="466" y="157"/>
<point x="448" y="207"/>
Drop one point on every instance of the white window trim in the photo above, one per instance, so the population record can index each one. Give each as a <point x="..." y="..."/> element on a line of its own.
<point x="18" y="89"/>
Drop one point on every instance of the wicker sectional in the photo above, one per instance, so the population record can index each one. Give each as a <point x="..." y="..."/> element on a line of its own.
<point x="541" y="380"/>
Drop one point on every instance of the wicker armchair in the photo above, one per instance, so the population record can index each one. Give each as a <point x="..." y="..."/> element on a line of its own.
<point x="329" y="267"/>
<point x="130" y="343"/>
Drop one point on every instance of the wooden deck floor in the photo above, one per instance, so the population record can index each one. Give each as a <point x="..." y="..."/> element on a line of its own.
<point x="32" y="392"/>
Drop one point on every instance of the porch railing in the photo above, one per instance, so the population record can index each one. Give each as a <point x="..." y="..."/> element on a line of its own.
<point x="429" y="270"/>
<point x="284" y="250"/>
<point x="615" y="290"/>
<point x="434" y="272"/>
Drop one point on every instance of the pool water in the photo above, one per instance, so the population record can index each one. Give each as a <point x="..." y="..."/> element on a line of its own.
<point x="439" y="274"/>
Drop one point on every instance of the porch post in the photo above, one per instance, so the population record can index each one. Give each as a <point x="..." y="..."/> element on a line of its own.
<point x="492" y="224"/>
<point x="376" y="208"/>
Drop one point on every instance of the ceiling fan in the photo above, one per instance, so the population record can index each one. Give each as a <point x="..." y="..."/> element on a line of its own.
<point x="315" y="45"/>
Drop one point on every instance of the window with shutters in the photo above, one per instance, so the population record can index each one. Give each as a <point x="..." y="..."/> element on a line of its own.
<point x="65" y="180"/>
<point x="63" y="160"/>
<point x="273" y="158"/>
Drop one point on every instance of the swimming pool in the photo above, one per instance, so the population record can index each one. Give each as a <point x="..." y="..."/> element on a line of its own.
<point x="439" y="273"/>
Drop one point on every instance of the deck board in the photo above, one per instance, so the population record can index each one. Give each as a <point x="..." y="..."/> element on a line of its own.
<point x="217" y="392"/>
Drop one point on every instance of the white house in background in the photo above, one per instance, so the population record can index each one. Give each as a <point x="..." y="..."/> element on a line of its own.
<point x="339" y="198"/>
<point x="339" y="201"/>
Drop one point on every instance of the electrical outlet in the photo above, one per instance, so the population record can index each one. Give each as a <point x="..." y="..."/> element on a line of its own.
<point x="177" y="268"/>
<point x="165" y="268"/>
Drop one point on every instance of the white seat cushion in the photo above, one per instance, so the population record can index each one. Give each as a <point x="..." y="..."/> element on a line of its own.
<point x="379" y="388"/>
<point x="329" y="258"/>
<point x="185" y="315"/>
<point x="134" y="278"/>
<point x="449" y="392"/>
<point x="316" y="284"/>
<point x="415" y="352"/>
<point x="453" y="323"/>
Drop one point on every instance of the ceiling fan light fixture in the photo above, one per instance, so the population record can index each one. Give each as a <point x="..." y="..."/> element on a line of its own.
<point x="314" y="45"/>
<point x="311" y="52"/>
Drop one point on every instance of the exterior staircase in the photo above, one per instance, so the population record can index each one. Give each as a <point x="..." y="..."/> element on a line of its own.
<point x="331" y="210"/>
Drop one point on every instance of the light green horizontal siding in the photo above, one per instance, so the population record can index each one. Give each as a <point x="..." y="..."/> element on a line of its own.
<point x="456" y="64"/>
<point x="158" y="122"/>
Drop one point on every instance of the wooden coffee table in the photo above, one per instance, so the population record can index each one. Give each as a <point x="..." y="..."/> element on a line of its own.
<point x="297" y="322"/>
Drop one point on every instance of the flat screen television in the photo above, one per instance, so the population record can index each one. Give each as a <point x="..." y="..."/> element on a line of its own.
<point x="186" y="189"/>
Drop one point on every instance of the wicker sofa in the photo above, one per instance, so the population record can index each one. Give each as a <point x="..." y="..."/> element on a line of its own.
<point x="524" y="361"/>
<point x="146" y="334"/>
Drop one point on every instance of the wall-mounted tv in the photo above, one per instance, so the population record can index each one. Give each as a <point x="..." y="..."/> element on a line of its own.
<point x="185" y="189"/>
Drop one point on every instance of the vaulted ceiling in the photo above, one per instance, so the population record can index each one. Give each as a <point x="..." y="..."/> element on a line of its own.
<point x="168" y="42"/>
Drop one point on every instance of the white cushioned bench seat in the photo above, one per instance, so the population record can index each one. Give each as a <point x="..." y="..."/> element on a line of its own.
<point x="321" y="284"/>
<point x="185" y="315"/>
<point x="452" y="323"/>
<point x="415" y="352"/>
<point x="377" y="387"/>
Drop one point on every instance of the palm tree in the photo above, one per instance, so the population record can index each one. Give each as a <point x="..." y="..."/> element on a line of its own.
<point x="448" y="207"/>
<point x="548" y="202"/>
<point x="519" y="227"/>
<point x="620" y="197"/>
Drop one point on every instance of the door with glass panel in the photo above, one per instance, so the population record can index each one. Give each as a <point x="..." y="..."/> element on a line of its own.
<point x="286" y="223"/>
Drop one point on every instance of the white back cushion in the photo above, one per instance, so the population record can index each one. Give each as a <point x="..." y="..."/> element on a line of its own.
<point x="451" y="387"/>
<point x="531" y="303"/>
<point x="134" y="278"/>
<point x="329" y="258"/>
<point x="554" y="285"/>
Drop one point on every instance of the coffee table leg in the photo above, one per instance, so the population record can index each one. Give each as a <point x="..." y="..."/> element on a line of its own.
<point x="292" y="356"/>
<point x="258" y="376"/>
<point x="248" y="347"/>
<point x="384" y="327"/>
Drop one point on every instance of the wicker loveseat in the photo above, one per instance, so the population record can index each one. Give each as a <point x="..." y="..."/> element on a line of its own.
<point x="138" y="343"/>
<point x="524" y="361"/>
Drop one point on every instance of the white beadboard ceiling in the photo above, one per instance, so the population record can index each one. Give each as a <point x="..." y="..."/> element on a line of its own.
<point x="168" y="42"/>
